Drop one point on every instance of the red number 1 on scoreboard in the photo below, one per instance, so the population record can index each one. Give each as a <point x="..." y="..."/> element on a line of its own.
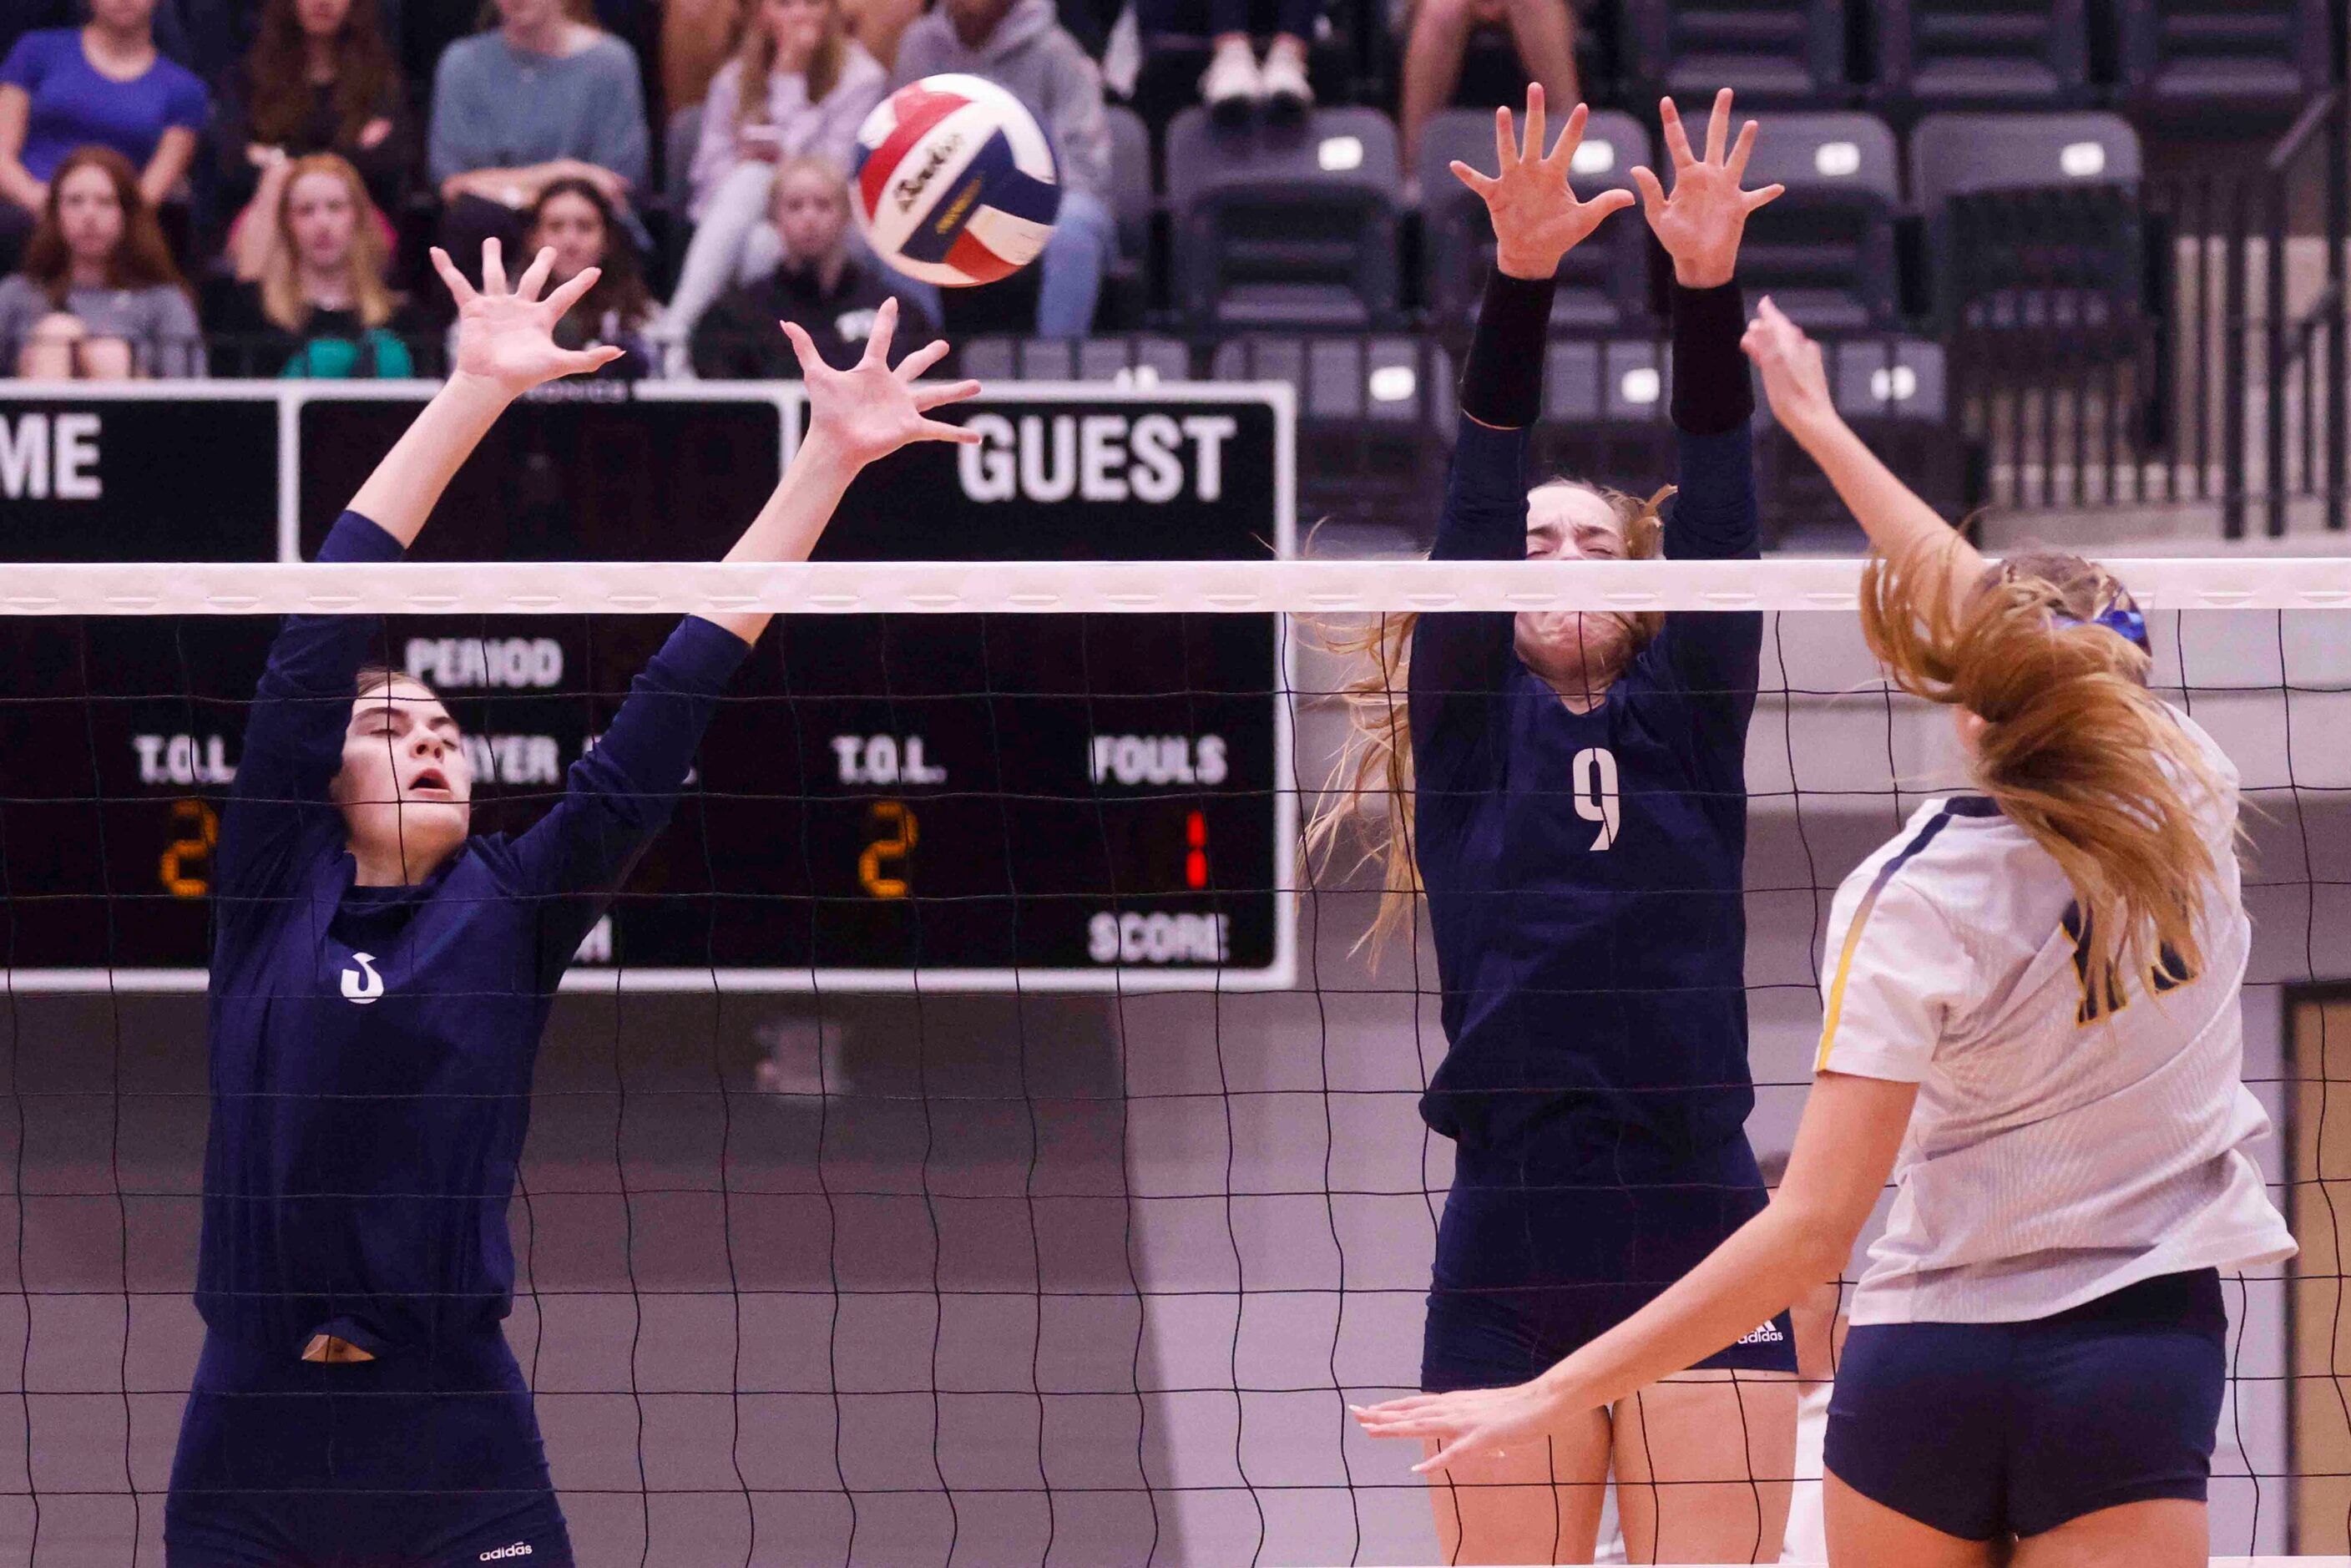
<point x="1195" y="858"/>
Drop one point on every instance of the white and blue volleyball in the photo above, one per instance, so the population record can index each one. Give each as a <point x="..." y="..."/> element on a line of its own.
<point x="955" y="182"/>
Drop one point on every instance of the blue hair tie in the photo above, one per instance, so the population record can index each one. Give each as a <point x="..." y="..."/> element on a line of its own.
<point x="2128" y="624"/>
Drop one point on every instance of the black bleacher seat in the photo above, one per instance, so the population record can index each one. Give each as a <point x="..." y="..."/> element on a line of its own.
<point x="1825" y="250"/>
<point x="1127" y="290"/>
<point x="2033" y="220"/>
<point x="1364" y="403"/>
<point x="2189" y="62"/>
<point x="1285" y="225"/>
<point x="1602" y="283"/>
<point x="1979" y="54"/>
<point x="1142" y="359"/>
<point x="1790" y="53"/>
<point x="1901" y="378"/>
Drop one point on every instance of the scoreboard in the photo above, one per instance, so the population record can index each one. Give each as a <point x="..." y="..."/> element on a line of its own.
<point x="955" y="802"/>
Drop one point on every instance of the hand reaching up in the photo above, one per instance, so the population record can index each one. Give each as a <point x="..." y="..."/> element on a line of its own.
<point x="507" y="338"/>
<point x="869" y="409"/>
<point x="1796" y="376"/>
<point x="1537" y="218"/>
<point x="1700" y="224"/>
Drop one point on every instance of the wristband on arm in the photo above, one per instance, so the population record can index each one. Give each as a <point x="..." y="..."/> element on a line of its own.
<point x="1501" y="380"/>
<point x="1713" y="392"/>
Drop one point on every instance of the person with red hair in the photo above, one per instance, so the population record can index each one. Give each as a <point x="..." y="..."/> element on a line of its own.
<point x="98" y="297"/>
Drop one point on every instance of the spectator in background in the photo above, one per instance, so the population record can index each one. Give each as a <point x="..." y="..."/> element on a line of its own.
<point x="818" y="284"/>
<point x="321" y="78"/>
<point x="577" y="221"/>
<point x="102" y="85"/>
<point x="318" y="306"/>
<point x="798" y="85"/>
<point x="1235" y="83"/>
<point x="541" y="97"/>
<point x="1022" y="46"/>
<point x="98" y="297"/>
<point x="1437" y="36"/>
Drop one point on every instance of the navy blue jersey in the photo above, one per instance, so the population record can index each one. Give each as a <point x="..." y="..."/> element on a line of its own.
<point x="1585" y="871"/>
<point x="372" y="1048"/>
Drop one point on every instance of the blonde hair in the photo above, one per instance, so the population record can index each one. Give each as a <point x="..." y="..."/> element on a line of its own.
<point x="754" y="53"/>
<point x="1368" y="797"/>
<point x="281" y="284"/>
<point x="2075" y="749"/>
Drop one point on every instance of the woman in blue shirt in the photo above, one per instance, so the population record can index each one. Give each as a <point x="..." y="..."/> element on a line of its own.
<point x="380" y="981"/>
<point x="102" y="85"/>
<point x="1578" y="820"/>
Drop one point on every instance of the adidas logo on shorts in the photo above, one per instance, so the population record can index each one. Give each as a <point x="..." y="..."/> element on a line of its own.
<point x="519" y="1549"/>
<point x="1768" y="1334"/>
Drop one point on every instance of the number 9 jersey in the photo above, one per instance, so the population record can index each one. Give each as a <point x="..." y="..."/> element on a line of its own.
<point x="2074" y="1134"/>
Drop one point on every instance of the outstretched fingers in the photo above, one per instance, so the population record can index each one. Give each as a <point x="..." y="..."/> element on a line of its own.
<point x="1764" y="197"/>
<point x="1506" y="139"/>
<point x="1677" y="139"/>
<point x="803" y="349"/>
<point x="921" y="359"/>
<point x="559" y="303"/>
<point x="1531" y="148"/>
<point x="493" y="266"/>
<point x="936" y="430"/>
<point x="1742" y="149"/>
<point x="1653" y="193"/>
<point x="936" y="394"/>
<point x="586" y="362"/>
<point x="459" y="289"/>
<point x="1718" y="127"/>
<point x="1561" y="159"/>
<point x="1483" y="184"/>
<point x="877" y="342"/>
<point x="535" y="275"/>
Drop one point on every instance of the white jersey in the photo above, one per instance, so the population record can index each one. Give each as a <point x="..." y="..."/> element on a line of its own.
<point x="2068" y="1140"/>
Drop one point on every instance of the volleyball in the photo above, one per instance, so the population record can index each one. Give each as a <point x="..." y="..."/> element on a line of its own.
<point x="955" y="181"/>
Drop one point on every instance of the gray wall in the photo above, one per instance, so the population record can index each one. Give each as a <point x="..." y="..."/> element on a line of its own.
<point x="1017" y="1279"/>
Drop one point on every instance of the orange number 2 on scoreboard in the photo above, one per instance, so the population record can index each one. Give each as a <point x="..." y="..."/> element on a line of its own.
<point x="895" y="820"/>
<point x="197" y="827"/>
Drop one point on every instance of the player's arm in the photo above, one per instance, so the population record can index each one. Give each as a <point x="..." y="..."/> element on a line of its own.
<point x="1537" y="221"/>
<point x="1897" y="977"/>
<point x="1796" y="382"/>
<point x="302" y="706"/>
<point x="621" y="794"/>
<point x="1713" y="513"/>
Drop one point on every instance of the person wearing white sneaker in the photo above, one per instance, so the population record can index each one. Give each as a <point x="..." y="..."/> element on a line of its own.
<point x="1235" y="83"/>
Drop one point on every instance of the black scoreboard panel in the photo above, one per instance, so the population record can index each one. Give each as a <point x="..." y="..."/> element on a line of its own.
<point x="1087" y="799"/>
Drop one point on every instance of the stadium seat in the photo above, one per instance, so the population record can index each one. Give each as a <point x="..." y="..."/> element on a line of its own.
<point x="1772" y="52"/>
<point x="1902" y="378"/>
<point x="1604" y="283"/>
<point x="1364" y="408"/>
<point x="1133" y="201"/>
<point x="1142" y="359"/>
<point x="1285" y="225"/>
<point x="1826" y="251"/>
<point x="2033" y="220"/>
<point x="1986" y="54"/>
<point x="2184" y="60"/>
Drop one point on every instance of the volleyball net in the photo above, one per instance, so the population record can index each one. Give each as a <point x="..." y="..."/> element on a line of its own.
<point x="975" y="1134"/>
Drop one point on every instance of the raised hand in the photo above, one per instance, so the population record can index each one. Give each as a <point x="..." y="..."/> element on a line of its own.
<point x="1537" y="218"/>
<point x="507" y="338"/>
<point x="1796" y="376"/>
<point x="1700" y="224"/>
<point x="869" y="409"/>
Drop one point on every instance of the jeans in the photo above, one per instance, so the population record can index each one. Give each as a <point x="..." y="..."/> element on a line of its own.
<point x="733" y="243"/>
<point x="1069" y="272"/>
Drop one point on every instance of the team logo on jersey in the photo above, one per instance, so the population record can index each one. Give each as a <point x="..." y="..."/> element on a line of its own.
<point x="519" y="1549"/>
<point x="1768" y="1334"/>
<point x="363" y="986"/>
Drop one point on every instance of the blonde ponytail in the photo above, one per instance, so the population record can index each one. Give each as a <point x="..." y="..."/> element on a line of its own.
<point x="2075" y="749"/>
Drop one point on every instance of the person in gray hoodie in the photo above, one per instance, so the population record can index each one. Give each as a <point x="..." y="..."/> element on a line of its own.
<point x="1022" y="46"/>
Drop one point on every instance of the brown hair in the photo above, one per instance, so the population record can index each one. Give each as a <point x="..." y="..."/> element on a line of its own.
<point x="140" y="259"/>
<point x="754" y="55"/>
<point x="1370" y="789"/>
<point x="2075" y="749"/>
<point x="281" y="285"/>
<point x="277" y="73"/>
<point x="619" y="288"/>
<point x="373" y="676"/>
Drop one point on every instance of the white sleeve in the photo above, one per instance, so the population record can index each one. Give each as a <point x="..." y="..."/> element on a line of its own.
<point x="1897" y="974"/>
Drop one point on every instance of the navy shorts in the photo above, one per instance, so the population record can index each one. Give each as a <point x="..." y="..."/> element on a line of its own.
<point x="413" y="1461"/>
<point x="1530" y="1271"/>
<point x="1981" y="1430"/>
